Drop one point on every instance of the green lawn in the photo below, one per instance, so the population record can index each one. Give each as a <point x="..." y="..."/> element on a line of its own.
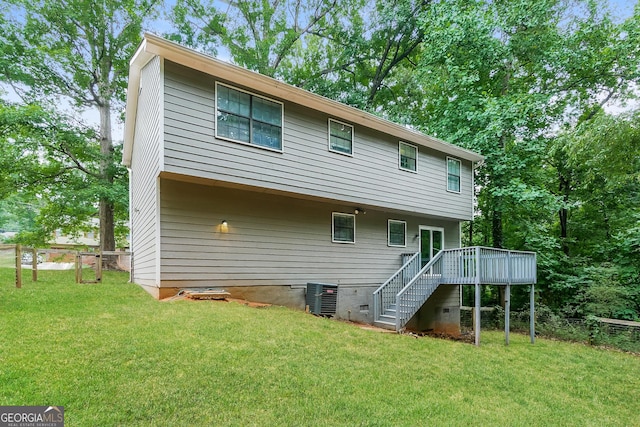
<point x="111" y="355"/>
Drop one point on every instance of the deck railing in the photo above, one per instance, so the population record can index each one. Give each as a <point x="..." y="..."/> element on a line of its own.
<point x="385" y="295"/>
<point x="459" y="266"/>
<point x="489" y="266"/>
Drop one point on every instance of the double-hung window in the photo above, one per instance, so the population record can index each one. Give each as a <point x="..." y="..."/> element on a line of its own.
<point x="397" y="233"/>
<point x="343" y="229"/>
<point x="408" y="157"/>
<point x="247" y="118"/>
<point x="340" y="137"/>
<point x="453" y="175"/>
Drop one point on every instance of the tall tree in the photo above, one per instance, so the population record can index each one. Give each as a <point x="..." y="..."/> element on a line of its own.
<point x="603" y="212"/>
<point x="364" y="61"/>
<point x="52" y="166"/>
<point x="259" y="35"/>
<point x="348" y="50"/>
<point x="502" y="77"/>
<point x="73" y="51"/>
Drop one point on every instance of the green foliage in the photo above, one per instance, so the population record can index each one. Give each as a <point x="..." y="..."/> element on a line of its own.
<point x="524" y="83"/>
<point x="600" y="292"/>
<point x="73" y="48"/>
<point x="599" y="165"/>
<point x="258" y="35"/>
<point x="353" y="51"/>
<point x="17" y="214"/>
<point x="53" y="173"/>
<point x="74" y="52"/>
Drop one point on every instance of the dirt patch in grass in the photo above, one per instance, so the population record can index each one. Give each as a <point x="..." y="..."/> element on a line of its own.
<point x="183" y="296"/>
<point x="368" y="327"/>
<point x="252" y="304"/>
<point x="463" y="337"/>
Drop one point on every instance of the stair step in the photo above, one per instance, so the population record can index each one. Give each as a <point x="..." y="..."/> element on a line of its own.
<point x="387" y="318"/>
<point x="386" y="325"/>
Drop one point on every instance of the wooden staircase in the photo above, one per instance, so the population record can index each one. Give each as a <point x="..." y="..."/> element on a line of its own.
<point x="406" y="291"/>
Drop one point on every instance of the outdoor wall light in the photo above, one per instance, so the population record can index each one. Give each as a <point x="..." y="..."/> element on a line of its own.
<point x="224" y="223"/>
<point x="359" y="211"/>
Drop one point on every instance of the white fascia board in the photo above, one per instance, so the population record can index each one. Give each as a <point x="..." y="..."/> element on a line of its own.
<point x="138" y="61"/>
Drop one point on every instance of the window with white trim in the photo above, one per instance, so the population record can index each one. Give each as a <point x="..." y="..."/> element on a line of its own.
<point x="343" y="228"/>
<point x="453" y="175"/>
<point x="397" y="233"/>
<point x="340" y="137"/>
<point x="408" y="157"/>
<point x="247" y="118"/>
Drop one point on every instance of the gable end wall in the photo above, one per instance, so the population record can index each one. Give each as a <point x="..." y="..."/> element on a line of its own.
<point x="145" y="169"/>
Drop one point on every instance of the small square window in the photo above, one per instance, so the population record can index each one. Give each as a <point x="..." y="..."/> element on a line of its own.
<point x="453" y="175"/>
<point x="397" y="233"/>
<point x="408" y="157"/>
<point x="340" y="137"/>
<point x="343" y="229"/>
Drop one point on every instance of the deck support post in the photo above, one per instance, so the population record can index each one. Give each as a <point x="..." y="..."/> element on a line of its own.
<point x="476" y="323"/>
<point x="477" y="313"/>
<point x="507" y="309"/>
<point x="532" y="315"/>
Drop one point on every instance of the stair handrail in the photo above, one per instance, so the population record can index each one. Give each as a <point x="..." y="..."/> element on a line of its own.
<point x="400" y="321"/>
<point x="378" y="297"/>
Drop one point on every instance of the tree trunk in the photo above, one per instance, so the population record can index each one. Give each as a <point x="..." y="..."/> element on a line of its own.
<point x="107" y="228"/>
<point x="563" y="214"/>
<point x="496" y="228"/>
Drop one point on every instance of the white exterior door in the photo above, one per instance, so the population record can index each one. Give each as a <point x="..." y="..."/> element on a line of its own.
<point x="431" y="242"/>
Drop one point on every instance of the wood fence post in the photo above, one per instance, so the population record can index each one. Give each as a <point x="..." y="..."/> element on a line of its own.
<point x="99" y="267"/>
<point x="18" y="266"/>
<point x="34" y="265"/>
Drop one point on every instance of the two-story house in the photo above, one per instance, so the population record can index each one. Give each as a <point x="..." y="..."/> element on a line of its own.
<point x="242" y="182"/>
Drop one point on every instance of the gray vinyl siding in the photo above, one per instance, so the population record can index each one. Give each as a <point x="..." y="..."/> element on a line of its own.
<point x="145" y="168"/>
<point x="273" y="240"/>
<point x="306" y="167"/>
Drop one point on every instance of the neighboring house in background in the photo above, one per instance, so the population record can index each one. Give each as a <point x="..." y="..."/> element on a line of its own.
<point x="242" y="182"/>
<point x="87" y="240"/>
<point x="7" y="235"/>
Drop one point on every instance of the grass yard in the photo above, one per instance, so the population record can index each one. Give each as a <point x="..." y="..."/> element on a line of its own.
<point x="111" y="355"/>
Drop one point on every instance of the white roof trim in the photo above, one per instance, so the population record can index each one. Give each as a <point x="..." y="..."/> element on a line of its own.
<point x="139" y="60"/>
<point x="156" y="46"/>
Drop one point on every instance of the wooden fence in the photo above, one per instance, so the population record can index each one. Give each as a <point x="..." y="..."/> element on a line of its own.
<point x="79" y="258"/>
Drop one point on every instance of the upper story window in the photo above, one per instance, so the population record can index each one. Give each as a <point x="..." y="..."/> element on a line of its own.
<point x="340" y="137"/>
<point x="343" y="228"/>
<point x="397" y="233"/>
<point x="247" y="118"/>
<point x="453" y="175"/>
<point x="408" y="155"/>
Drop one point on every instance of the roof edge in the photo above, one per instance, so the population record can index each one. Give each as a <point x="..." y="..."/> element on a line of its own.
<point x="138" y="61"/>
